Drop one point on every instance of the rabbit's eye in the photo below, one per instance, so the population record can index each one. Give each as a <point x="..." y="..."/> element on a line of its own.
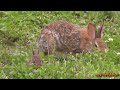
<point x="96" y="45"/>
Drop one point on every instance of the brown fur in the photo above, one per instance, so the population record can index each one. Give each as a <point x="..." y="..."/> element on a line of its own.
<point x="102" y="46"/>
<point x="66" y="37"/>
<point x="36" y="59"/>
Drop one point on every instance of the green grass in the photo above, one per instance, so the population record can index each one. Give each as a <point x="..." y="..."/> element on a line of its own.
<point x="20" y="30"/>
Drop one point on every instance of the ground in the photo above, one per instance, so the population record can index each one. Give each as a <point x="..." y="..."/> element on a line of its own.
<point x="20" y="30"/>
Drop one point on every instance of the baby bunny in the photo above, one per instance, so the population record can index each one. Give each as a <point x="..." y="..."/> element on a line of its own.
<point x="36" y="59"/>
<point x="66" y="37"/>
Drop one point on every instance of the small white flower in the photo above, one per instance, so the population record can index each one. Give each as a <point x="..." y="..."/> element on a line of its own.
<point x="118" y="53"/>
<point x="111" y="77"/>
<point x="110" y="39"/>
<point x="106" y="41"/>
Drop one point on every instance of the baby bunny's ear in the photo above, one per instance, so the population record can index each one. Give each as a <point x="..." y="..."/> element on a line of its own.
<point x="91" y="30"/>
<point x="100" y="31"/>
<point x="33" y="52"/>
<point x="38" y="51"/>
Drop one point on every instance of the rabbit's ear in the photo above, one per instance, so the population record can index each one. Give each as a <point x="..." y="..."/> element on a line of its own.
<point x="91" y="30"/>
<point x="100" y="32"/>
